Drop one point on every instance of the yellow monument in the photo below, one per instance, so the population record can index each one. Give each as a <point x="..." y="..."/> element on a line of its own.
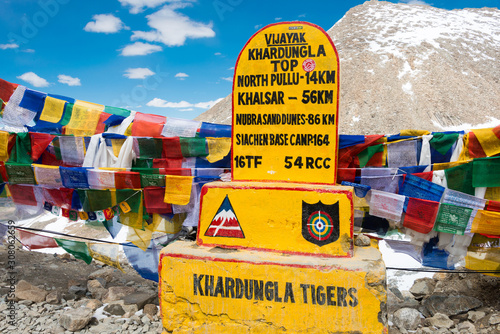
<point x="274" y="250"/>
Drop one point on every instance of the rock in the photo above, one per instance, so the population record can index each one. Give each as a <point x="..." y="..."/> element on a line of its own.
<point x="74" y="282"/>
<point x="475" y="315"/>
<point x="150" y="309"/>
<point x="494" y="319"/>
<point x="93" y="304"/>
<point x="117" y="292"/>
<point x="422" y="287"/>
<point x="466" y="327"/>
<point x="27" y="291"/>
<point x="97" y="288"/>
<point x="76" y="292"/>
<point x="450" y="305"/>
<point x="54" y="297"/>
<point x="440" y="276"/>
<point x="407" y="318"/>
<point x="106" y="273"/>
<point x="114" y="309"/>
<point x="362" y="240"/>
<point x="440" y="320"/>
<point x="75" y="319"/>
<point x="145" y="320"/>
<point x="424" y="330"/>
<point x="139" y="298"/>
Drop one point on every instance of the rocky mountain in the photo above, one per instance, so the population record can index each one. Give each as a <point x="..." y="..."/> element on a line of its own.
<point x="412" y="66"/>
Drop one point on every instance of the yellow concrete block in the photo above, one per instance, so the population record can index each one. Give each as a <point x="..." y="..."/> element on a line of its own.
<point x="280" y="217"/>
<point x="214" y="290"/>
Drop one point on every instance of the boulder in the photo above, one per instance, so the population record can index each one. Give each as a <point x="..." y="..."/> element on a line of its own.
<point x="407" y="318"/>
<point x="362" y="240"/>
<point x="466" y="327"/>
<point x="54" y="297"/>
<point x="106" y="273"/>
<point x="150" y="309"/>
<point x="76" y="292"/>
<point x="93" y="304"/>
<point x="117" y="292"/>
<point x="494" y="319"/>
<point x="475" y="315"/>
<point x="440" y="320"/>
<point x="114" y="309"/>
<point x="423" y="287"/>
<point x="139" y="298"/>
<point x="27" y="291"/>
<point x="75" y="319"/>
<point x="450" y="305"/>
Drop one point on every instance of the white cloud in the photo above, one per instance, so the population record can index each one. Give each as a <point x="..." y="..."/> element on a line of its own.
<point x="106" y="23"/>
<point x="187" y="109"/>
<point x="217" y="54"/>
<point x="34" y="79"/>
<point x="181" y="76"/>
<point x="140" y="49"/>
<point x="28" y="51"/>
<point x="258" y="26"/>
<point x="231" y="68"/>
<point x="302" y="15"/>
<point x="230" y="79"/>
<point x="67" y="80"/>
<point x="138" y="6"/>
<point x="138" y="73"/>
<point x="160" y="103"/>
<point x="9" y="46"/>
<point x="278" y="18"/>
<point x="172" y="28"/>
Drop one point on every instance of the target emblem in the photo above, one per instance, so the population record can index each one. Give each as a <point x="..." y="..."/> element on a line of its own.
<point x="320" y="223"/>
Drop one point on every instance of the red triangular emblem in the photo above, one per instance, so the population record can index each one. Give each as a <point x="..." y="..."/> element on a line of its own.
<point x="225" y="223"/>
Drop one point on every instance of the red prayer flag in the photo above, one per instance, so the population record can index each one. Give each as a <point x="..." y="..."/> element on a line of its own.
<point x="424" y="175"/>
<point x="36" y="241"/>
<point x="127" y="180"/>
<point x="153" y="200"/>
<point x="475" y="148"/>
<point x="100" y="124"/>
<point x="171" y="147"/>
<point x="6" y="90"/>
<point x="3" y="172"/>
<point x="175" y="171"/>
<point x="167" y="163"/>
<point x="148" y="125"/>
<point x="348" y="155"/>
<point x="22" y="194"/>
<point x="346" y="174"/>
<point x="493" y="206"/>
<point x="421" y="215"/>
<point x="39" y="143"/>
<point x="59" y="197"/>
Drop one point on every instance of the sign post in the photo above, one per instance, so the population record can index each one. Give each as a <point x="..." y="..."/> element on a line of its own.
<point x="285" y="106"/>
<point x="274" y="249"/>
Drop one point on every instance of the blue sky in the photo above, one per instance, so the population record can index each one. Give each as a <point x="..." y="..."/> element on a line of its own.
<point x="166" y="57"/>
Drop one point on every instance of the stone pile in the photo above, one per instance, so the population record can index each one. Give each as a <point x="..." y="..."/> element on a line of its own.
<point x="458" y="303"/>
<point x="101" y="304"/>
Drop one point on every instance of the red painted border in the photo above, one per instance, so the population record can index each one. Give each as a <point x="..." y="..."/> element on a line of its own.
<point x="205" y="188"/>
<point x="268" y="263"/>
<point x="336" y="149"/>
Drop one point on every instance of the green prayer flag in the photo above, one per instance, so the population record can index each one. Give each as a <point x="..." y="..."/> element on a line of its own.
<point x="150" y="147"/>
<point x="368" y="153"/>
<point x="452" y="219"/>
<point x="95" y="200"/>
<point x="193" y="147"/>
<point x="117" y="111"/>
<point x="77" y="248"/>
<point x="152" y="180"/>
<point x="145" y="170"/>
<point x="131" y="196"/>
<point x="22" y="149"/>
<point x="486" y="172"/>
<point x="442" y="142"/>
<point x="20" y="173"/>
<point x="142" y="163"/>
<point x="68" y="112"/>
<point x="459" y="178"/>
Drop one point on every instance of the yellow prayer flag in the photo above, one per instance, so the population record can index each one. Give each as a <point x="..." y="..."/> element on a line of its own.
<point x="113" y="169"/>
<point x="488" y="140"/>
<point x="492" y="193"/>
<point x="178" y="189"/>
<point x="218" y="148"/>
<point x="4" y="146"/>
<point x="172" y="226"/>
<point x="464" y="155"/>
<point x="128" y="132"/>
<point x="486" y="222"/>
<point x="117" y="146"/>
<point x="446" y="165"/>
<point x="140" y="238"/>
<point x="411" y="132"/>
<point x="483" y="254"/>
<point x="83" y="121"/>
<point x="53" y="110"/>
<point x="106" y="253"/>
<point x="90" y="105"/>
